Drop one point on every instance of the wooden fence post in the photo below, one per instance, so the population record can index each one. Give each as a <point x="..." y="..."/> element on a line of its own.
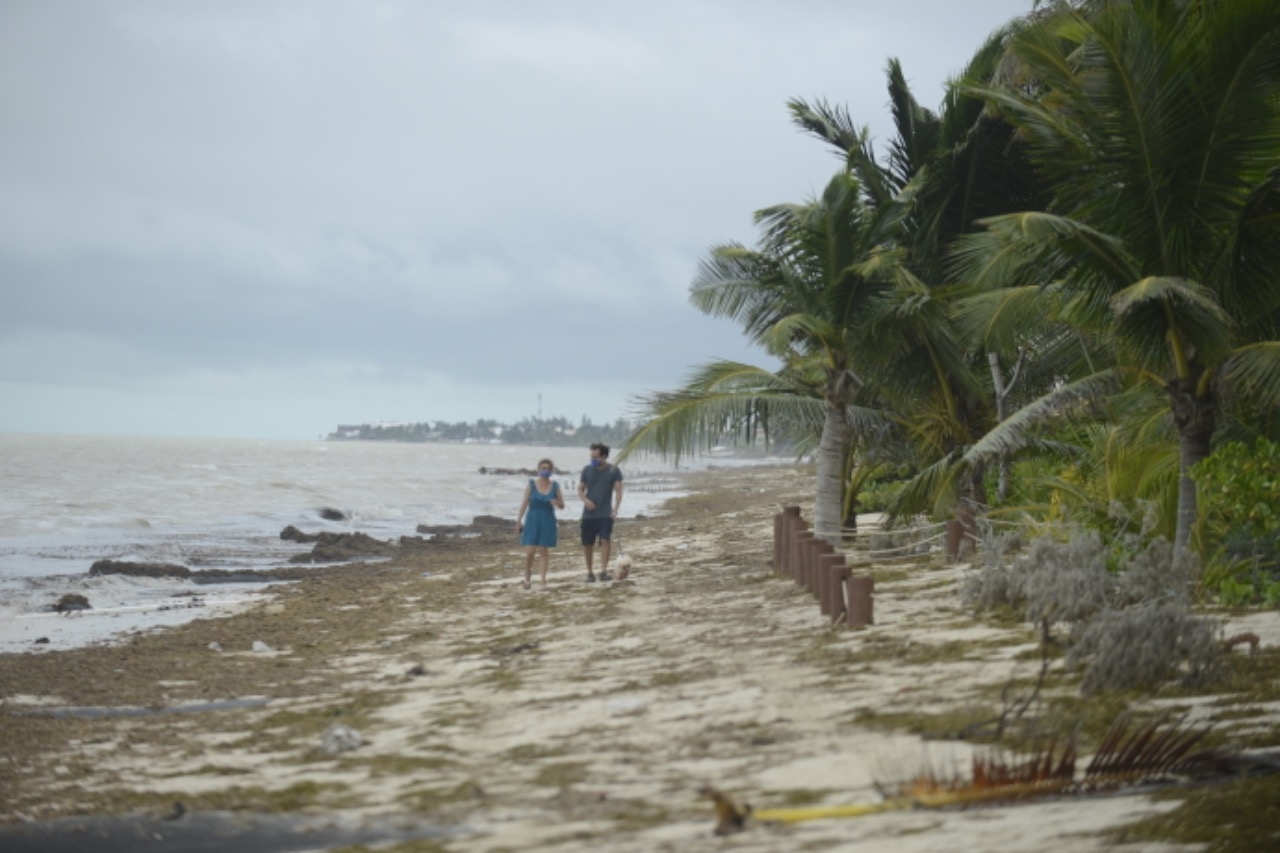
<point x="962" y="533"/>
<point x="860" y="612"/>
<point x="799" y="552"/>
<point x="817" y="550"/>
<point x="828" y="567"/>
<point x="784" y="525"/>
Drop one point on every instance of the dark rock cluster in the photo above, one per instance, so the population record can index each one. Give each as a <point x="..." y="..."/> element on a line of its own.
<point x="329" y="547"/>
<point x="139" y="570"/>
<point x="70" y="602"/>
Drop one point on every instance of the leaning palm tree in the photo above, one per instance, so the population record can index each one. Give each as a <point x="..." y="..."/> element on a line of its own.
<point x="1158" y="123"/>
<point x="802" y="294"/>
<point x="966" y="163"/>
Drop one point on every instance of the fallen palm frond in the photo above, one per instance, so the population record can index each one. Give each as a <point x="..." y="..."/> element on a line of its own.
<point x="994" y="777"/>
<point x="1158" y="752"/>
<point x="1151" y="754"/>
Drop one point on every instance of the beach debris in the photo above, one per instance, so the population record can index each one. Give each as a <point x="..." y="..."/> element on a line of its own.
<point x="730" y="817"/>
<point x="259" y="646"/>
<point x="70" y="602"/>
<point x="1240" y="639"/>
<point x="625" y="707"/>
<point x="339" y="738"/>
<point x="1156" y="753"/>
<point x="176" y="811"/>
<point x="416" y="670"/>
<point x="516" y="649"/>
<point x="215" y="646"/>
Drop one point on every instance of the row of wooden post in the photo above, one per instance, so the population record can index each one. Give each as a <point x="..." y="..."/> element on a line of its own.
<point x="815" y="565"/>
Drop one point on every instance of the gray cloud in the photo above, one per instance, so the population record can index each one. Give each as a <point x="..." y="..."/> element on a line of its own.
<point x="261" y="218"/>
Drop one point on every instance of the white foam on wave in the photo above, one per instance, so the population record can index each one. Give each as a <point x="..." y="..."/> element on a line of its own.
<point x="119" y="605"/>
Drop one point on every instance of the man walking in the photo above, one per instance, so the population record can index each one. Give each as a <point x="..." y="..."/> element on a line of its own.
<point x="600" y="489"/>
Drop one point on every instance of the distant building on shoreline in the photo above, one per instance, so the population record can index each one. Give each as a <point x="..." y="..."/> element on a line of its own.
<point x="549" y="432"/>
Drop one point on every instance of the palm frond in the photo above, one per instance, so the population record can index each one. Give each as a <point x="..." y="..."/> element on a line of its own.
<point x="934" y="489"/>
<point x="1253" y="371"/>
<point x="1003" y="320"/>
<point x="829" y="123"/>
<point x="1250" y="259"/>
<point x="1014" y="432"/>
<point x="722" y="400"/>
<point x="917" y="128"/>
<point x="1158" y="313"/>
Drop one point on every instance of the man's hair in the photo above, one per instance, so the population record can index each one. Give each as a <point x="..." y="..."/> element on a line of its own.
<point x="601" y="448"/>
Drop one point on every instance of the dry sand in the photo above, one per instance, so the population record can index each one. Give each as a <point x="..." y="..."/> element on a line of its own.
<point x="579" y="717"/>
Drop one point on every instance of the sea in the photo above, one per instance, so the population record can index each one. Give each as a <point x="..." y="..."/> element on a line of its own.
<point x="67" y="501"/>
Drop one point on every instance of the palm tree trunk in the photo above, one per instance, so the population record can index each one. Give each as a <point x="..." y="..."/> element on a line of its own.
<point x="1194" y="415"/>
<point x="1002" y="411"/>
<point x="997" y="379"/>
<point x="828" y="509"/>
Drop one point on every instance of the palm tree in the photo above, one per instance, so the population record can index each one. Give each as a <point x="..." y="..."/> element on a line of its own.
<point x="967" y="164"/>
<point x="1158" y="124"/>
<point x="802" y="294"/>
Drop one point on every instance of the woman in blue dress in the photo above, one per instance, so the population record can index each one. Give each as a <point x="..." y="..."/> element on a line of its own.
<point x="538" y="529"/>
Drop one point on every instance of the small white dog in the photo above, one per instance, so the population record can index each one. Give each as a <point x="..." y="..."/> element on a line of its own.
<point x="624" y="566"/>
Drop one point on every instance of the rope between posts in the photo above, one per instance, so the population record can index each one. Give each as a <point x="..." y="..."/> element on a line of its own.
<point x="851" y="531"/>
<point x="910" y="548"/>
<point x="1007" y="522"/>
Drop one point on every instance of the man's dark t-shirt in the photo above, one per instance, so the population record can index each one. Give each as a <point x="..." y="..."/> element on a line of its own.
<point x="600" y="489"/>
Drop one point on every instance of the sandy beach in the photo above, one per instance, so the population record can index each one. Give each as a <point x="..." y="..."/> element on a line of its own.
<point x="575" y="717"/>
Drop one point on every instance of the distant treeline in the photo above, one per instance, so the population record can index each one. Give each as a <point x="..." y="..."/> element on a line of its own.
<point x="550" y="432"/>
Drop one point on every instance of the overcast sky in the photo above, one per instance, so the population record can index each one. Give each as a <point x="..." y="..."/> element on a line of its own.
<point x="266" y="218"/>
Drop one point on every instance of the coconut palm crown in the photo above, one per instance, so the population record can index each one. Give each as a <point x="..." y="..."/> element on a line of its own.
<point x="1158" y="124"/>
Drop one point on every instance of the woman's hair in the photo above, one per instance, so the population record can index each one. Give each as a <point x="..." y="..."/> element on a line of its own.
<point x="542" y="462"/>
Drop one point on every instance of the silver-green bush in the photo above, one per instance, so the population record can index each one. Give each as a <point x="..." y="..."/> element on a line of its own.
<point x="1127" y="601"/>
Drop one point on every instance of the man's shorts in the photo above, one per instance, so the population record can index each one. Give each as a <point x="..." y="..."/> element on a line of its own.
<point x="593" y="528"/>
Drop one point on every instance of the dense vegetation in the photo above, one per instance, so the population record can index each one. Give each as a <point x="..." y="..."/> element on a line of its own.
<point x="1057" y="294"/>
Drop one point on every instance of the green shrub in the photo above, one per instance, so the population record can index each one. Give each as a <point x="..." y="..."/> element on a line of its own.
<point x="1240" y="527"/>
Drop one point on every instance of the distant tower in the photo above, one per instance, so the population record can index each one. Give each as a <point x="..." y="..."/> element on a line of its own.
<point x="539" y="405"/>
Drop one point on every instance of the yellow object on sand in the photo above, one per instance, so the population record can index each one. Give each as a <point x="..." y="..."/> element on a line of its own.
<point x="824" y="812"/>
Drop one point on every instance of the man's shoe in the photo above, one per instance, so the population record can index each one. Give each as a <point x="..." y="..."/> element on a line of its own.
<point x="591" y="578"/>
<point x="605" y="576"/>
